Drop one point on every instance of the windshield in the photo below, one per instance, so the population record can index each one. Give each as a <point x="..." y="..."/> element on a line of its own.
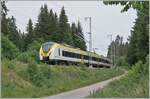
<point x="47" y="46"/>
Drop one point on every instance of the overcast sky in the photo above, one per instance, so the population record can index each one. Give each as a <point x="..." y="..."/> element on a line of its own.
<point x="105" y="19"/>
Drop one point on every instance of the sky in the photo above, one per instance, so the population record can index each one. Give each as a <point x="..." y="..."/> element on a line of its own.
<point x="106" y="19"/>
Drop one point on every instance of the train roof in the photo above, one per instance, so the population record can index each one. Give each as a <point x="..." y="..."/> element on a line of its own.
<point x="48" y="43"/>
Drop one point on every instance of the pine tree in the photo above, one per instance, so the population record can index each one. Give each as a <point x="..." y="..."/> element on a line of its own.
<point x="64" y="29"/>
<point x="139" y="40"/>
<point x="4" y="20"/>
<point x="53" y="26"/>
<point x="80" y="34"/>
<point x="42" y="25"/>
<point x="13" y="34"/>
<point x="30" y="36"/>
<point x="74" y="34"/>
<point x="55" y="36"/>
<point x="117" y="51"/>
<point x="78" y="37"/>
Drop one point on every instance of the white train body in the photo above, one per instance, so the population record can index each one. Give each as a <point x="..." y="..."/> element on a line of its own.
<point x="55" y="53"/>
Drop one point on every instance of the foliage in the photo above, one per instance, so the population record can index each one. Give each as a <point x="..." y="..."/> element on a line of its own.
<point x="8" y="63"/>
<point x="138" y="5"/>
<point x="78" y="37"/>
<point x="64" y="28"/>
<point x="9" y="50"/>
<point x="138" y="41"/>
<point x="53" y="28"/>
<point x="13" y="32"/>
<point x="49" y="27"/>
<point x="32" y="53"/>
<point x="32" y="80"/>
<point x="4" y="10"/>
<point x="121" y="61"/>
<point x="34" y="49"/>
<point x="133" y="85"/>
<point x="117" y="51"/>
<point x="24" y="57"/>
<point x="29" y="37"/>
<point x="35" y="75"/>
<point x="140" y="68"/>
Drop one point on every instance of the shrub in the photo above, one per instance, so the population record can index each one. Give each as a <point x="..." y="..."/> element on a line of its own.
<point x="31" y="54"/>
<point x="121" y="61"/>
<point x="9" y="50"/>
<point x="35" y="74"/>
<point x="8" y="63"/>
<point x="32" y="70"/>
<point x="35" y="46"/>
<point x="140" y="68"/>
<point x="46" y="71"/>
<point x="24" y="57"/>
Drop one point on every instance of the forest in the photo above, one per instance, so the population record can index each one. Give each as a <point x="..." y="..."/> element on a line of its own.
<point x="137" y="47"/>
<point x="21" y="68"/>
<point x="49" y="27"/>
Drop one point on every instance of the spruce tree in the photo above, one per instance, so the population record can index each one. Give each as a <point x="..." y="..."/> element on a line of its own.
<point x="139" y="40"/>
<point x="78" y="37"/>
<point x="80" y="34"/>
<point x="30" y="36"/>
<point x="42" y="25"/>
<point x="14" y="35"/>
<point x="64" y="29"/>
<point x="4" y="20"/>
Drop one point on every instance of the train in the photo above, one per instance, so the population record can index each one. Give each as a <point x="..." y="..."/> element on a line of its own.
<point x="56" y="53"/>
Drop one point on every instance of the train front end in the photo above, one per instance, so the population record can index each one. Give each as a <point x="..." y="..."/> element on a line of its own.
<point x="45" y="51"/>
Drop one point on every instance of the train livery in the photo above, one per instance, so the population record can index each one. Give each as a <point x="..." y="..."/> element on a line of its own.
<point x="55" y="53"/>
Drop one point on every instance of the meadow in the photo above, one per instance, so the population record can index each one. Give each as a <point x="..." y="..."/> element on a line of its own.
<point x="22" y="79"/>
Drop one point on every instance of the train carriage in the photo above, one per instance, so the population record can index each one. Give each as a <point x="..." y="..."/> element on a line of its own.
<point x="55" y="53"/>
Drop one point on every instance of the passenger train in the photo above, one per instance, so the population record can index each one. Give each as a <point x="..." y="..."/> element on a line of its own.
<point x="55" y="53"/>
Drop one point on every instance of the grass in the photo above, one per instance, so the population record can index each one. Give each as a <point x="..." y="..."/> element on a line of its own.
<point x="134" y="85"/>
<point x="16" y="80"/>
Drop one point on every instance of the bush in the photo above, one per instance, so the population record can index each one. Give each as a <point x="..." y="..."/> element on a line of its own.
<point x="24" y="57"/>
<point x="35" y="46"/>
<point x="9" y="50"/>
<point x="46" y="71"/>
<point x="133" y="85"/>
<point x="140" y="68"/>
<point x="34" y="50"/>
<point x="8" y="63"/>
<point x="31" y="54"/>
<point x="35" y="74"/>
<point x="121" y="61"/>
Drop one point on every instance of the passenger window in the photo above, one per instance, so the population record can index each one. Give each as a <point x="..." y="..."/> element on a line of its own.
<point x="59" y="51"/>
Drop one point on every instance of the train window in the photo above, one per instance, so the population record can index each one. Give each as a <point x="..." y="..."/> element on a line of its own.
<point x="64" y="53"/>
<point x="86" y="57"/>
<point x="78" y="55"/>
<point x="46" y="46"/>
<point x="71" y="54"/>
<point x="59" y="51"/>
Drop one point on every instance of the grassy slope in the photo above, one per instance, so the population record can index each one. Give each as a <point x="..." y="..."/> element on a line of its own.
<point x="16" y="84"/>
<point x="134" y="85"/>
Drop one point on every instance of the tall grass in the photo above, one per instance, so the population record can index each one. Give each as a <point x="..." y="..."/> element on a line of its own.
<point x="48" y="80"/>
<point x="134" y="85"/>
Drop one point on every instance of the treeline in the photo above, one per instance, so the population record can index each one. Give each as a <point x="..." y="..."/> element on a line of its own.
<point x="49" y="27"/>
<point x="138" y="46"/>
<point x="117" y="51"/>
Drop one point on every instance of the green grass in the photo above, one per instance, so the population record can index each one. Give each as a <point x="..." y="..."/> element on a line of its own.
<point x="133" y="85"/>
<point x="16" y="81"/>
